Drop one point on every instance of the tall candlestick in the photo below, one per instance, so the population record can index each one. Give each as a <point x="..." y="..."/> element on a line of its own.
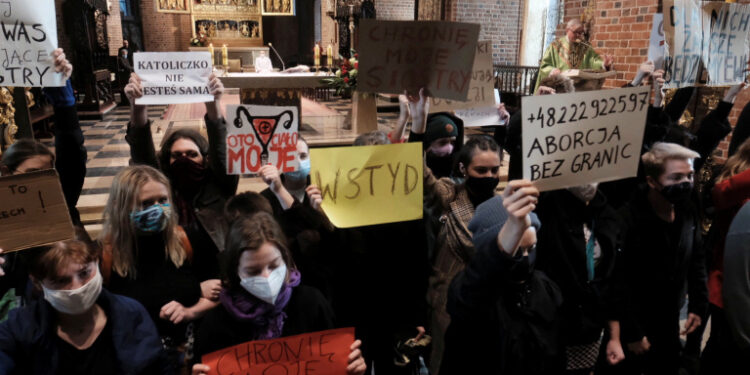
<point x="329" y="52"/>
<point x="224" y="55"/>
<point x="316" y="52"/>
<point x="211" y="51"/>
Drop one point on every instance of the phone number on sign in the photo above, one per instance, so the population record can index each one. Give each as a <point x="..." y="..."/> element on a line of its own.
<point x="588" y="111"/>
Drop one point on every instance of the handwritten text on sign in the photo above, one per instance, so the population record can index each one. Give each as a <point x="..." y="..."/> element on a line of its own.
<point x="367" y="185"/>
<point x="319" y="353"/>
<point x="261" y="134"/>
<point x="28" y="35"/>
<point x="728" y="44"/>
<point x="408" y="55"/>
<point x="32" y="211"/>
<point x="173" y="77"/>
<point x="579" y="138"/>
<point x="685" y="48"/>
<point x="480" y="88"/>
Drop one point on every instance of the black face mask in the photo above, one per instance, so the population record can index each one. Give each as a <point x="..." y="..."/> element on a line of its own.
<point x="440" y="165"/>
<point x="481" y="188"/>
<point x="186" y="175"/>
<point x="520" y="271"/>
<point x="677" y="193"/>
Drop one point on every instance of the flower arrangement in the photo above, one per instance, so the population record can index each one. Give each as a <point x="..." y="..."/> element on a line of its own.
<point x="345" y="79"/>
<point x="200" y="41"/>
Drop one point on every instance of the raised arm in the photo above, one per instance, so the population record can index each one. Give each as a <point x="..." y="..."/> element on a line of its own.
<point x="216" y="128"/>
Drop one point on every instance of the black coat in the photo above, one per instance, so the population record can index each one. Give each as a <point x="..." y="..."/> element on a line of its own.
<point x="587" y="305"/>
<point x="501" y="324"/>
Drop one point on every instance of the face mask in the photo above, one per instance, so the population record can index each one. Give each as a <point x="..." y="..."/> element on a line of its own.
<point x="76" y="301"/>
<point x="440" y="165"/>
<point x="302" y="172"/>
<point x="442" y="151"/>
<point x="481" y="188"/>
<point x="521" y="271"/>
<point x="152" y="219"/>
<point x="584" y="192"/>
<point x="187" y="175"/>
<point x="677" y="193"/>
<point x="266" y="289"/>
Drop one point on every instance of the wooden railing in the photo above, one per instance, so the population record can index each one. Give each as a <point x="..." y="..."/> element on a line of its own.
<point x="516" y="79"/>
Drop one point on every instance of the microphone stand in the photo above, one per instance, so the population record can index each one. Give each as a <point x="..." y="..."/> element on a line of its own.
<point x="283" y="67"/>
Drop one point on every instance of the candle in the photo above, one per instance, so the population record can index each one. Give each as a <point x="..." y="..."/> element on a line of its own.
<point x="316" y="51"/>
<point x="211" y="51"/>
<point x="224" y="55"/>
<point x="329" y="52"/>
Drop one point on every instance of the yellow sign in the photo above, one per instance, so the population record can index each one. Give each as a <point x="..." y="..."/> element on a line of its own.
<point x="368" y="185"/>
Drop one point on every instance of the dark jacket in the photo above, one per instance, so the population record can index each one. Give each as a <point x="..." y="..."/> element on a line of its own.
<point x="501" y="324"/>
<point x="737" y="278"/>
<point x="587" y="305"/>
<point x="28" y="338"/>
<point x="217" y="186"/>
<point x="658" y="260"/>
<point x="307" y="311"/>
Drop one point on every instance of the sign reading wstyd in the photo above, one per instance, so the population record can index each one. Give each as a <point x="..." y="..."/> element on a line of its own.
<point x="261" y="134"/>
<point x="480" y="88"/>
<point x="28" y="37"/>
<point x="32" y="211"/>
<point x="368" y="185"/>
<point x="579" y="138"/>
<point x="173" y="77"/>
<point x="322" y="353"/>
<point x="409" y="55"/>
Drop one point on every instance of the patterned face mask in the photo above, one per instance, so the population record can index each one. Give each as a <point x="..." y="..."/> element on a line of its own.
<point x="152" y="219"/>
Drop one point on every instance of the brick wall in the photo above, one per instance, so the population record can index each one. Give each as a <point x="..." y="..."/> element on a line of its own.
<point x="164" y="31"/>
<point x="501" y="22"/>
<point x="398" y="10"/>
<point x="114" y="29"/>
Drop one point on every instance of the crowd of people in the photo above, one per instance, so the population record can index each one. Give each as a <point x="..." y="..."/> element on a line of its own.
<point x="594" y="278"/>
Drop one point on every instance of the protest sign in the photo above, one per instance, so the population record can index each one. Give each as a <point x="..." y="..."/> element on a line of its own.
<point x="29" y="36"/>
<point x="173" y="77"/>
<point x="409" y="55"/>
<point x="728" y="45"/>
<point x="261" y="134"/>
<point x="684" y="52"/>
<point x="367" y="185"/>
<point x="32" y="211"/>
<point x="480" y="88"/>
<point x="320" y="353"/>
<point x="580" y="138"/>
<point x="656" y="44"/>
<point x="482" y="116"/>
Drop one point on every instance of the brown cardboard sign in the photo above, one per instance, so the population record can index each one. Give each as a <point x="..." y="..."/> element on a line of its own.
<point x="482" y="86"/>
<point x="32" y="211"/>
<point x="408" y="55"/>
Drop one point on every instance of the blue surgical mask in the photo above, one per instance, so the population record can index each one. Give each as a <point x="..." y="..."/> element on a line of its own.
<point x="302" y="172"/>
<point x="152" y="219"/>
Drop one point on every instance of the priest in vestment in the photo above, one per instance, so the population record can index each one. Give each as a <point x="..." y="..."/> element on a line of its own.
<point x="570" y="52"/>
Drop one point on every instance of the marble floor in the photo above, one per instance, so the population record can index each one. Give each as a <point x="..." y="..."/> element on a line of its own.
<point x="108" y="152"/>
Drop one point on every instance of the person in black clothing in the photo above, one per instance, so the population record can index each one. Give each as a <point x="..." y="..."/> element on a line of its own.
<point x="197" y="173"/>
<point x="262" y="297"/>
<point x="124" y="69"/>
<point x="579" y="242"/>
<point x="661" y="254"/>
<point x="504" y="312"/>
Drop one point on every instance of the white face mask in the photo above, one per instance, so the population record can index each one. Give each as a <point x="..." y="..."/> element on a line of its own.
<point x="584" y="192"/>
<point x="75" y="301"/>
<point x="266" y="289"/>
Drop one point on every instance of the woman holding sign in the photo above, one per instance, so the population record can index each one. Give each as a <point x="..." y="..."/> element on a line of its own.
<point x="262" y="296"/>
<point x="197" y="173"/>
<point x="79" y="327"/>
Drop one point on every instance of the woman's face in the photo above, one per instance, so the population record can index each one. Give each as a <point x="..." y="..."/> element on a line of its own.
<point x="34" y="163"/>
<point x="259" y="262"/>
<point x="442" y="147"/>
<point x="152" y="193"/>
<point x="73" y="276"/>
<point x="484" y="164"/>
<point x="187" y="148"/>
<point x="303" y="152"/>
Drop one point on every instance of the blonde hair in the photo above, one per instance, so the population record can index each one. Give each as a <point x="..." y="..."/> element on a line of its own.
<point x="654" y="159"/>
<point x="737" y="163"/>
<point x="118" y="229"/>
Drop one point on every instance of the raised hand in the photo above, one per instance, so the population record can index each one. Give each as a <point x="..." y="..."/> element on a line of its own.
<point x="356" y="363"/>
<point x="519" y="199"/>
<point x="419" y="107"/>
<point x="62" y="65"/>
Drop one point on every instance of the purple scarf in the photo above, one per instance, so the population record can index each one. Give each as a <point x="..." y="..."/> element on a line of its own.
<point x="269" y="319"/>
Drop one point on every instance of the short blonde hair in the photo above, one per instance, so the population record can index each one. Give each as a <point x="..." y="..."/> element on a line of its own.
<point x="654" y="159"/>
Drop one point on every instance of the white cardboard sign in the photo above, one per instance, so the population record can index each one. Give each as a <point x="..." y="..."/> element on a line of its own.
<point x="261" y="134"/>
<point x="173" y="77"/>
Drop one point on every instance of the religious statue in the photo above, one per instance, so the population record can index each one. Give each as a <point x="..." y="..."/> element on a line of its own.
<point x="571" y="52"/>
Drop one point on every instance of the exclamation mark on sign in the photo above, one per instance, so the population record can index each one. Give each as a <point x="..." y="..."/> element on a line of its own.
<point x="44" y="209"/>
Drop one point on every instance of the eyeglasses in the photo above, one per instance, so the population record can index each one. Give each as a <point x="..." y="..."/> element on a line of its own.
<point x="188" y="154"/>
